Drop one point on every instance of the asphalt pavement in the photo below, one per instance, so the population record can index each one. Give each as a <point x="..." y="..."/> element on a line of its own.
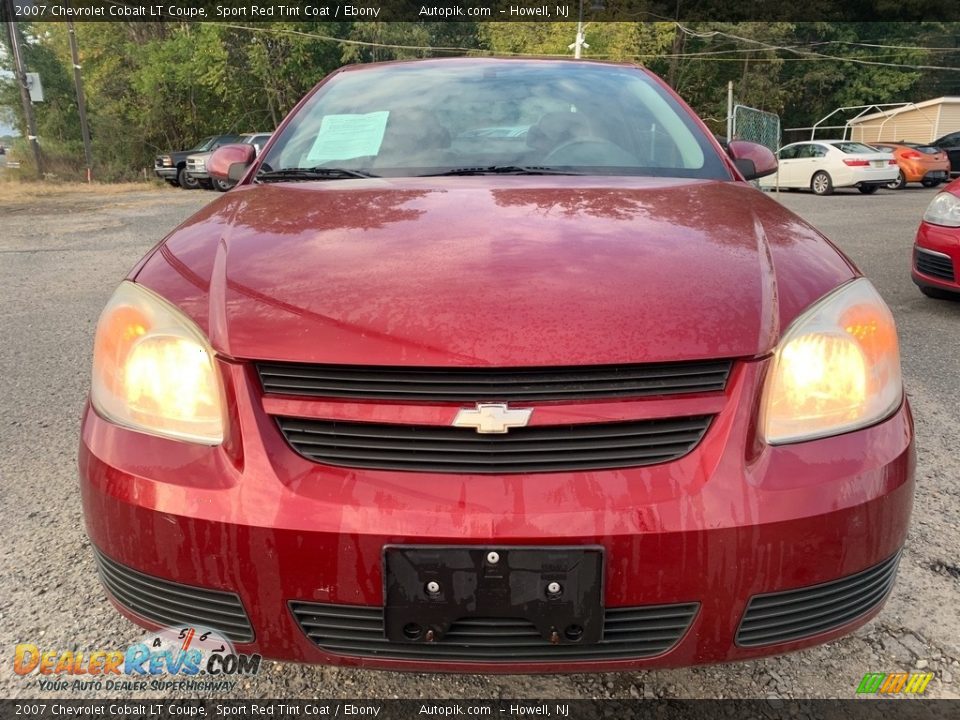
<point x="60" y="259"/>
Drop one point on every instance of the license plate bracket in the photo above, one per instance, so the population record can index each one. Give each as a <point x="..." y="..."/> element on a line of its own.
<point x="516" y="582"/>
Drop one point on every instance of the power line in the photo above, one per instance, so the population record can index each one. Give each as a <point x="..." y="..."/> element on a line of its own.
<point x="768" y="46"/>
<point x="810" y="56"/>
<point x="892" y="47"/>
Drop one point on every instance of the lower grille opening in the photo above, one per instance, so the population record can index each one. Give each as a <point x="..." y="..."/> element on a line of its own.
<point x="169" y="603"/>
<point x="934" y="265"/>
<point x="628" y="633"/>
<point x="794" y="614"/>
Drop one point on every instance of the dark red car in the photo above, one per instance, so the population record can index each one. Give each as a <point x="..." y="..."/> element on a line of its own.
<point x="498" y="365"/>
<point x="936" y="251"/>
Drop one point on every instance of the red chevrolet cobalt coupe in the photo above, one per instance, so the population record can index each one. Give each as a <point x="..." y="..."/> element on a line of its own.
<point x="936" y="250"/>
<point x="497" y="365"/>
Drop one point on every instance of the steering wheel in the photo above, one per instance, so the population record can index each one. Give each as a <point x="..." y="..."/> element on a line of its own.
<point x="589" y="152"/>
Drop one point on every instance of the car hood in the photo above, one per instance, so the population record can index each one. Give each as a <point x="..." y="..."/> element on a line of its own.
<point x="506" y="271"/>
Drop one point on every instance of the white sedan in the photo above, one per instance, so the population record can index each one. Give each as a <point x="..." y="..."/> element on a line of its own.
<point x="823" y="165"/>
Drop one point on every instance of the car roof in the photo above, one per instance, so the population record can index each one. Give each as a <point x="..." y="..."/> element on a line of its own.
<point x="491" y="61"/>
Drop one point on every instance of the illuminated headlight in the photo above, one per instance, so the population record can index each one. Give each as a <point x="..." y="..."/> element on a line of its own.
<point x="944" y="209"/>
<point x="153" y="370"/>
<point x="836" y="369"/>
<point x="167" y="161"/>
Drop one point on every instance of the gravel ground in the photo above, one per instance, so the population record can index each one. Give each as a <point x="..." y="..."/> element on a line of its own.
<point x="61" y="257"/>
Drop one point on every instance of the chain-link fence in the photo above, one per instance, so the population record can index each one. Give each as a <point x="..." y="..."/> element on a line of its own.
<point x="756" y="126"/>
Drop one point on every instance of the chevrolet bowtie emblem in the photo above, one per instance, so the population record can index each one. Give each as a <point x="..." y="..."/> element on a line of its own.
<point x="492" y="418"/>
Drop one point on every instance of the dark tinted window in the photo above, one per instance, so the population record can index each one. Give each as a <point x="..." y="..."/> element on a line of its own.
<point x="789" y="152"/>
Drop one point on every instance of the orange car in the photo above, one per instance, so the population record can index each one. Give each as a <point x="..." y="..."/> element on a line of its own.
<point x="924" y="164"/>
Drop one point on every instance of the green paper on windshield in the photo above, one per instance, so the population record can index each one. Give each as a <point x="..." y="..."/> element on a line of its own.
<point x="343" y="137"/>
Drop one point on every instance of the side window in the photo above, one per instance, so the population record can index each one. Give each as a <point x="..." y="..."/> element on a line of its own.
<point x="952" y="140"/>
<point x="818" y="151"/>
<point x="805" y="151"/>
<point x="789" y="153"/>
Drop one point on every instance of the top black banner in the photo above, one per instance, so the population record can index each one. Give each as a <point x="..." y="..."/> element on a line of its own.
<point x="253" y="11"/>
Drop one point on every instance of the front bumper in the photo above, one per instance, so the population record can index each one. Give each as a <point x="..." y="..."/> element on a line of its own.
<point x="167" y="173"/>
<point x="732" y="520"/>
<point x="939" y="266"/>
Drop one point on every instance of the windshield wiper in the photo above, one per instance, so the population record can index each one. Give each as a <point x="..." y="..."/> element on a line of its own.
<point x="317" y="173"/>
<point x="504" y="170"/>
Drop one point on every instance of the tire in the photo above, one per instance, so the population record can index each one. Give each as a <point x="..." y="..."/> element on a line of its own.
<point x="185" y="181"/>
<point x="930" y="183"/>
<point x="222" y="185"/>
<point x="899" y="184"/>
<point x="938" y="294"/>
<point x="821" y="184"/>
<point x="868" y="189"/>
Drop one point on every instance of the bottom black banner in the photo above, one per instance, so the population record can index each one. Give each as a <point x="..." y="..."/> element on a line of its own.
<point x="906" y="709"/>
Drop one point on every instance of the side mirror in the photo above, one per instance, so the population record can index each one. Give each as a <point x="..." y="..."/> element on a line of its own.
<point x="752" y="160"/>
<point x="230" y="162"/>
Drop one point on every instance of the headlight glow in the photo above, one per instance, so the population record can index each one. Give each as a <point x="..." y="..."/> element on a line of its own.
<point x="836" y="369"/>
<point x="944" y="209"/>
<point x="153" y="370"/>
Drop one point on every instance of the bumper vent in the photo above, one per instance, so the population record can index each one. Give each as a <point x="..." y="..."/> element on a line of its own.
<point x="934" y="265"/>
<point x="523" y="450"/>
<point x="784" y="616"/>
<point x="627" y="633"/>
<point x="170" y="603"/>
<point x="503" y="384"/>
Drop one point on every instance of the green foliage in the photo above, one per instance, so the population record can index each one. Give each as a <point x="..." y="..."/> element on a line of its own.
<point x="153" y="87"/>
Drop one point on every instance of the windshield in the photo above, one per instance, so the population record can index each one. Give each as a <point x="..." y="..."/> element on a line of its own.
<point x="203" y="144"/>
<point x="421" y="119"/>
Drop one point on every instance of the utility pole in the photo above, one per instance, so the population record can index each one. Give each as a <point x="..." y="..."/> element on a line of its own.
<point x="578" y="43"/>
<point x="21" y="77"/>
<point x="81" y="101"/>
<point x="730" y="111"/>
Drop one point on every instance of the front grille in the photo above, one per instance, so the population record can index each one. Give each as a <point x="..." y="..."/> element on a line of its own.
<point x="172" y="604"/>
<point x="783" y="616"/>
<point x="488" y="384"/>
<point x="434" y="448"/>
<point x="357" y="630"/>
<point x="934" y="265"/>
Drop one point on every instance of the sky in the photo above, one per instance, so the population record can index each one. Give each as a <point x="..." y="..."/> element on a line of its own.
<point x="5" y="127"/>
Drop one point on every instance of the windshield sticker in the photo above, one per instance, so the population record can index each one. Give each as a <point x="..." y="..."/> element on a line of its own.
<point x="342" y="137"/>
